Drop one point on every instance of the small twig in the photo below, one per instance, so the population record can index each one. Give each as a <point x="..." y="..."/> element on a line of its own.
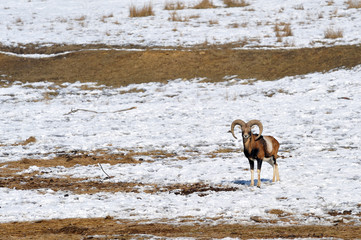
<point x="92" y="111"/>
<point x="101" y="167"/>
<point x="123" y="110"/>
<point x="76" y="110"/>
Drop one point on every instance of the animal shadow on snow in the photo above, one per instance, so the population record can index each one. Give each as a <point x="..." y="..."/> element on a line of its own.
<point x="248" y="182"/>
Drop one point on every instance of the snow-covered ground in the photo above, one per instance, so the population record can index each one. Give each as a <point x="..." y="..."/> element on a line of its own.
<point x="315" y="117"/>
<point x="108" y="22"/>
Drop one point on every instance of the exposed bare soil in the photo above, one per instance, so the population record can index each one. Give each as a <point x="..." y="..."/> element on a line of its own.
<point x="109" y="228"/>
<point x="117" y="68"/>
<point x="12" y="176"/>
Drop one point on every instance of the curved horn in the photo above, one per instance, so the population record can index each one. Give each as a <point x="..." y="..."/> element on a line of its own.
<point x="235" y="123"/>
<point x="259" y="125"/>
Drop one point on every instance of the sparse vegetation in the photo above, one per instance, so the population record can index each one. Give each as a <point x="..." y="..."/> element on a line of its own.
<point x="233" y="25"/>
<point x="330" y="3"/>
<point x="80" y="19"/>
<point x="105" y="17"/>
<point x="299" y="7"/>
<point x="204" y="4"/>
<point x="287" y="30"/>
<point x="19" y="21"/>
<point x="82" y="228"/>
<point x="161" y="65"/>
<point x="145" y="11"/>
<point x="194" y="16"/>
<point x="175" y="17"/>
<point x="236" y="3"/>
<point x="353" y="3"/>
<point x="213" y="22"/>
<point x="174" y="5"/>
<point x="62" y="20"/>
<point x="290" y="43"/>
<point x="332" y="33"/>
<point x="283" y="30"/>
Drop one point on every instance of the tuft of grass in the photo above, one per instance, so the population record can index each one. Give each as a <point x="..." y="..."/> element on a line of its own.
<point x="145" y="11"/>
<point x="332" y="33"/>
<point x="204" y="4"/>
<point x="29" y="140"/>
<point x="283" y="30"/>
<point x="279" y="212"/>
<point x="194" y="16"/>
<point x="235" y="3"/>
<point x="175" y="17"/>
<point x="19" y="21"/>
<point x="330" y="2"/>
<point x="299" y="7"/>
<point x="233" y="25"/>
<point x="213" y="22"/>
<point x="353" y="3"/>
<point x="287" y="31"/>
<point x="174" y="5"/>
<point x="80" y="19"/>
<point x="105" y="17"/>
<point x="289" y="43"/>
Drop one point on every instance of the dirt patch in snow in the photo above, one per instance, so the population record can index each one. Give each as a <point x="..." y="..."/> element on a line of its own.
<point x="15" y="175"/>
<point x="122" y="67"/>
<point x="91" y="186"/>
<point x="109" y="228"/>
<point x="72" y="158"/>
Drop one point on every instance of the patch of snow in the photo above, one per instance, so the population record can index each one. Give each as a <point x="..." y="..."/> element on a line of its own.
<point x="108" y="22"/>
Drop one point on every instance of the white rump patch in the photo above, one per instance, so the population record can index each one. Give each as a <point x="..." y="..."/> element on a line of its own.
<point x="268" y="143"/>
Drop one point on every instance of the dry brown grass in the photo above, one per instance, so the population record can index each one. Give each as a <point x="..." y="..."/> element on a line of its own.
<point x="145" y="11"/>
<point x="299" y="7"/>
<point x="279" y="212"/>
<point x="222" y="151"/>
<point x="35" y="181"/>
<point x="174" y="5"/>
<point x="19" y="21"/>
<point x="29" y="140"/>
<point x="353" y="4"/>
<point x="233" y="25"/>
<point x="213" y="22"/>
<point x="175" y="17"/>
<point x="236" y="3"/>
<point x="287" y="30"/>
<point x="80" y="19"/>
<point x="122" y="229"/>
<point x="194" y="16"/>
<point x="105" y="17"/>
<point x="204" y="4"/>
<point x="12" y="176"/>
<point x="332" y="33"/>
<point x="120" y="68"/>
<point x="289" y="43"/>
<point x="283" y="30"/>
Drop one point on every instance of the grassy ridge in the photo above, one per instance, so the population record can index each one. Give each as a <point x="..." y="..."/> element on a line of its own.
<point x="119" y="68"/>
